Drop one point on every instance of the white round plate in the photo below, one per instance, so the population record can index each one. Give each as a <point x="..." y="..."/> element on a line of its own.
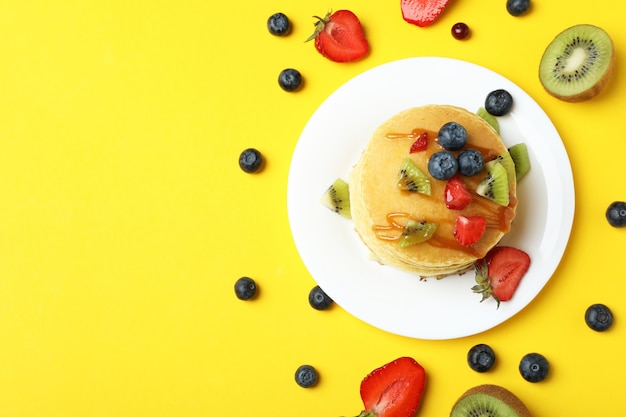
<point x="396" y="301"/>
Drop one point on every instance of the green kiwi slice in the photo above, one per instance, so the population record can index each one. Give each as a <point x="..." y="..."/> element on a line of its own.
<point x="519" y="154"/>
<point x="337" y="198"/>
<point x="416" y="232"/>
<point x="508" y="163"/>
<point x="489" y="118"/>
<point x="578" y="63"/>
<point x="495" y="185"/>
<point x="489" y="401"/>
<point x="413" y="179"/>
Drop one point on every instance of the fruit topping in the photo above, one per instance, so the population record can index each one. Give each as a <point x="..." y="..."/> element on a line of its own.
<point x="413" y="179"/>
<point x="251" y="160"/>
<point x="489" y="401"/>
<point x="469" y="229"/>
<point x="519" y="154"/>
<point x="420" y="144"/>
<point x="245" y="288"/>
<point x="598" y="317"/>
<point x="498" y="102"/>
<point x="456" y="194"/>
<point x="442" y="165"/>
<point x="489" y="118"/>
<point x="481" y="358"/>
<point x="460" y="31"/>
<point x="339" y="37"/>
<point x="318" y="299"/>
<point x="422" y="12"/>
<point x="306" y="376"/>
<point x="394" y="389"/>
<point x="337" y="198"/>
<point x="452" y="136"/>
<point x="578" y="63"/>
<point x="517" y="7"/>
<point x="495" y="185"/>
<point x="278" y="24"/>
<point x="499" y="273"/>
<point x="470" y="162"/>
<point x="416" y="232"/>
<point x="616" y="214"/>
<point x="290" y="80"/>
<point x="534" y="367"/>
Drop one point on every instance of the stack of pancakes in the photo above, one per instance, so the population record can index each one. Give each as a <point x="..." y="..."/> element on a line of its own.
<point x="374" y="194"/>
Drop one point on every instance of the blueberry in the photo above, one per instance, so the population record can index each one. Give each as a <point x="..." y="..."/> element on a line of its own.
<point x="498" y="102"/>
<point x="517" y="7"/>
<point x="598" y="317"/>
<point x="452" y="136"/>
<point x="534" y="367"/>
<point x="245" y="288"/>
<point x="481" y="358"/>
<point x="471" y="162"/>
<point x="251" y="160"/>
<point x="616" y="214"/>
<point x="290" y="79"/>
<point x="442" y="165"/>
<point x="306" y="376"/>
<point x="278" y="24"/>
<point x="318" y="299"/>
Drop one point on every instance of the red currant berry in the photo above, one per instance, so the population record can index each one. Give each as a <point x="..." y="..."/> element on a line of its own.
<point x="460" y="30"/>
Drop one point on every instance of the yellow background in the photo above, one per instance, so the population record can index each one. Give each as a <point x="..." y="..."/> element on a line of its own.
<point x="125" y="219"/>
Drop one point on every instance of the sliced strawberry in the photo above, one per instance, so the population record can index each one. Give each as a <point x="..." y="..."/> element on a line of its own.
<point x="420" y="144"/>
<point x="394" y="389"/>
<point x="339" y="37"/>
<point x="469" y="230"/>
<point x="499" y="273"/>
<point x="422" y="12"/>
<point x="456" y="194"/>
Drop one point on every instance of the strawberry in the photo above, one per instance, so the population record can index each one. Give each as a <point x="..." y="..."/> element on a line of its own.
<point x="339" y="37"/>
<point x="468" y="230"/>
<point x="456" y="195"/>
<point x="422" y="12"/>
<point x="420" y="144"/>
<point x="394" y="389"/>
<point x="499" y="273"/>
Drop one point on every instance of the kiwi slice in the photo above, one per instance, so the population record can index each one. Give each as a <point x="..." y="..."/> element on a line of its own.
<point x="519" y="154"/>
<point x="489" y="401"/>
<point x="416" y="232"/>
<point x="508" y="163"/>
<point x="413" y="179"/>
<point x="489" y="118"/>
<point x="578" y="63"/>
<point x="495" y="186"/>
<point x="337" y="198"/>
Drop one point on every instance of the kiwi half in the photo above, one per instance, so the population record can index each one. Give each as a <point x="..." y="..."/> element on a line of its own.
<point x="416" y="232"/>
<point x="337" y="198"/>
<point x="489" y="401"/>
<point x="578" y="63"/>
<point x="413" y="179"/>
<point x="489" y="118"/>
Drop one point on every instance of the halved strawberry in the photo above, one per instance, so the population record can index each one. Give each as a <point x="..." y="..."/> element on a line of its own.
<point x="422" y="12"/>
<point x="499" y="273"/>
<point x="394" y="389"/>
<point x="456" y="194"/>
<point x="339" y="37"/>
<point x="420" y="144"/>
<point x="469" y="229"/>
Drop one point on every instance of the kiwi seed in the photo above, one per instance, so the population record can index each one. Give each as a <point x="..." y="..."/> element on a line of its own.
<point x="578" y="63"/>
<point x="337" y="198"/>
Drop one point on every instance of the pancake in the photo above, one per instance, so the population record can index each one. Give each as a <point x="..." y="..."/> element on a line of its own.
<point x="375" y="197"/>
